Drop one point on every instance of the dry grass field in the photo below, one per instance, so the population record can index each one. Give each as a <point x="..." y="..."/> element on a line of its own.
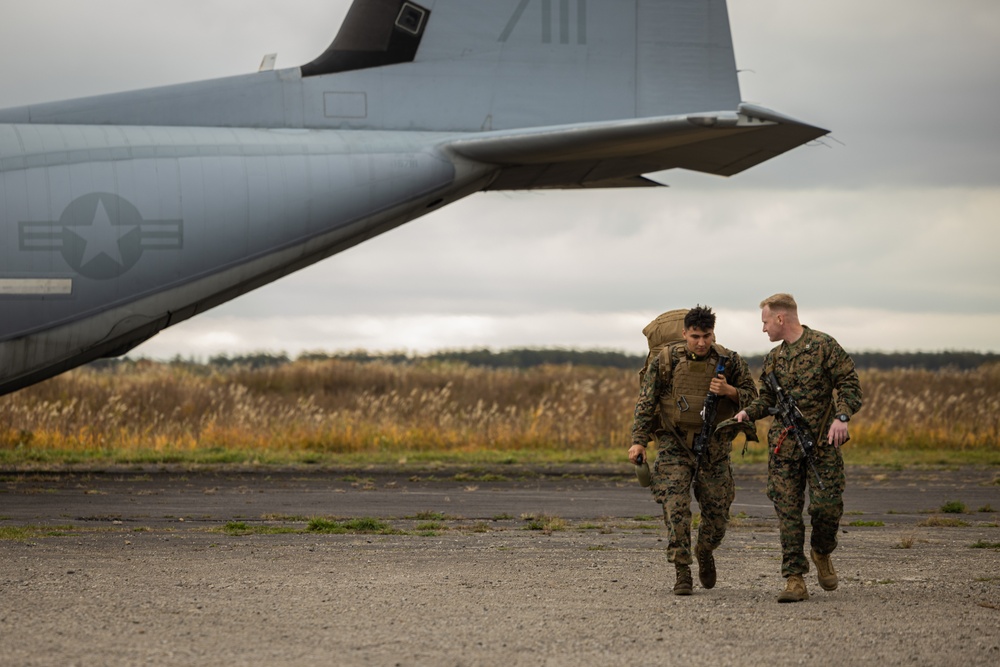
<point x="315" y="411"/>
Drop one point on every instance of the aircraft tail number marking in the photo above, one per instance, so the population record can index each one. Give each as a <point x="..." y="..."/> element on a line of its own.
<point x="556" y="15"/>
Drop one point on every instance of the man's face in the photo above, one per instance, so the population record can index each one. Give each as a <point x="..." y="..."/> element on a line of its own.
<point x="774" y="323"/>
<point x="698" y="340"/>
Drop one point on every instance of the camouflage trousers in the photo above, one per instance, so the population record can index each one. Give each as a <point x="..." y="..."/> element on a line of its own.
<point x="714" y="490"/>
<point x="788" y="474"/>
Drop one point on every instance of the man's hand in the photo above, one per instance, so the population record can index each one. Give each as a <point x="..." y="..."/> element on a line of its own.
<point x="838" y="433"/>
<point x="634" y="451"/>
<point x="742" y="416"/>
<point x="721" y="387"/>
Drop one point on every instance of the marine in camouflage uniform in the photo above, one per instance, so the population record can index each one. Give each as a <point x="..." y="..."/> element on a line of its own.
<point x="814" y="370"/>
<point x="675" y="463"/>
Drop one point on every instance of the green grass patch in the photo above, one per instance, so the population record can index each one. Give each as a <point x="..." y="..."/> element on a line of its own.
<point x="237" y="528"/>
<point x="983" y="544"/>
<point x="543" y="454"/>
<point x="863" y="524"/>
<point x="954" y="507"/>
<point x="589" y="526"/>
<point x="986" y="508"/>
<point x="943" y="522"/>
<point x="478" y="527"/>
<point x="543" y="522"/>
<point x="21" y="533"/>
<point x="365" y="525"/>
<point x="430" y="526"/>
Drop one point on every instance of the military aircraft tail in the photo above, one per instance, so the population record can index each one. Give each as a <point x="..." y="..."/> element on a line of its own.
<point x="124" y="214"/>
<point x="557" y="93"/>
<point x="471" y="65"/>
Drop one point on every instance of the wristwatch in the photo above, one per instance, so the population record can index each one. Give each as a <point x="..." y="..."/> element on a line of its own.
<point x="844" y="417"/>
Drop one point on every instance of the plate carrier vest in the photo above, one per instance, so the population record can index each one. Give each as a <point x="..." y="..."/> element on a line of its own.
<point x="689" y="380"/>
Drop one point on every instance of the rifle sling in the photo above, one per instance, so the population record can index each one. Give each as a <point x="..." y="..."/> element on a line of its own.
<point x="826" y="416"/>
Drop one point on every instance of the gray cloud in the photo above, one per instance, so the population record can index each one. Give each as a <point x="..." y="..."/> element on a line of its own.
<point x="908" y="86"/>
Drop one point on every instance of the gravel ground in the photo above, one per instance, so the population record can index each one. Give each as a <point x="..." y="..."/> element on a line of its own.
<point x="487" y="593"/>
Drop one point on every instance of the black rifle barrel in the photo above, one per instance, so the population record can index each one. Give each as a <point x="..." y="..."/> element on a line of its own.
<point x="794" y="423"/>
<point x="708" y="418"/>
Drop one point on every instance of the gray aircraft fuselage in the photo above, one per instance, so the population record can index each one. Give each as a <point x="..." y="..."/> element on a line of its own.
<point x="124" y="214"/>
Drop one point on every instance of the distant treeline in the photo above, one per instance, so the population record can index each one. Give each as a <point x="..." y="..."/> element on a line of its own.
<point x="531" y="358"/>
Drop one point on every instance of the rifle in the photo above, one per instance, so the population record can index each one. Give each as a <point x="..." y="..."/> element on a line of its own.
<point x="707" y="419"/>
<point x="794" y="423"/>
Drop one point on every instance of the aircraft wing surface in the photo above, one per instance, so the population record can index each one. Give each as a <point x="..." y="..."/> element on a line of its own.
<point x="615" y="154"/>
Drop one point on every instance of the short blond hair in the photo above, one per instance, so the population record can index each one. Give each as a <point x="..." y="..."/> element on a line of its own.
<point x="781" y="301"/>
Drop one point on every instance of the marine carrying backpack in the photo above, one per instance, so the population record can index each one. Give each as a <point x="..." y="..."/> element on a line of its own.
<point x="667" y="328"/>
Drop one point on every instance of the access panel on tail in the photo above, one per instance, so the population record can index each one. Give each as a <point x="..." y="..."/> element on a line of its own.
<point x="124" y="214"/>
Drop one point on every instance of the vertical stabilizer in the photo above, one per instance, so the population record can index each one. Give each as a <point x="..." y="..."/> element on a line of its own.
<point x="685" y="58"/>
<point x="504" y="64"/>
<point x="375" y="33"/>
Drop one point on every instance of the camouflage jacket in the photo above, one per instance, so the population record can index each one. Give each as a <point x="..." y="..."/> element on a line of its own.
<point x="815" y="371"/>
<point x="646" y="422"/>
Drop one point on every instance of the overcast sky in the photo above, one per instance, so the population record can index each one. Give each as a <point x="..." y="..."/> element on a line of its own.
<point x="886" y="232"/>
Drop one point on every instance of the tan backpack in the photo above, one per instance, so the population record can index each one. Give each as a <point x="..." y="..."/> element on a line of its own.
<point x="667" y="328"/>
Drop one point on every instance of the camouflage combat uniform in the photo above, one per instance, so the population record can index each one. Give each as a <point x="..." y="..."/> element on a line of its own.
<point x="675" y="463"/>
<point x="810" y="370"/>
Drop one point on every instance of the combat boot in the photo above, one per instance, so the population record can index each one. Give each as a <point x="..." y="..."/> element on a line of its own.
<point x="706" y="566"/>
<point x="795" y="590"/>
<point x="684" y="585"/>
<point x="824" y="571"/>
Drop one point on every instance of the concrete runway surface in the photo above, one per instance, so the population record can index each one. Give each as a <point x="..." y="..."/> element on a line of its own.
<point x="483" y="566"/>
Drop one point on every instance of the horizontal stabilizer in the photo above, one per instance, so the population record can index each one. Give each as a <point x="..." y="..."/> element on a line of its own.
<point x="628" y="182"/>
<point x="588" y="154"/>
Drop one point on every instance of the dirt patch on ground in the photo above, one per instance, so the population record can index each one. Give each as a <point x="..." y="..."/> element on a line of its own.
<point x="503" y="591"/>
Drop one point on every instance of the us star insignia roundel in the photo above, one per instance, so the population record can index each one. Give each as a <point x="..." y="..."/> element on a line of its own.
<point x="101" y="235"/>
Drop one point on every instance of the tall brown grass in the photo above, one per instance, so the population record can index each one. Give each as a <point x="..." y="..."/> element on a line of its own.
<point x="919" y="409"/>
<point x="333" y="407"/>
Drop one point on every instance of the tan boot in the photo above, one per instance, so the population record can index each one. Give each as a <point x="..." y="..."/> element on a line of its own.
<point x="684" y="585"/>
<point x="824" y="571"/>
<point x="706" y="566"/>
<point x="795" y="590"/>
